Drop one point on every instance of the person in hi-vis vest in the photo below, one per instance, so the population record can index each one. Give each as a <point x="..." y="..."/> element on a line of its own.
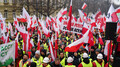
<point x="99" y="62"/>
<point x="86" y="61"/>
<point x="45" y="62"/>
<point x="37" y="58"/>
<point x="24" y="62"/>
<point x="69" y="61"/>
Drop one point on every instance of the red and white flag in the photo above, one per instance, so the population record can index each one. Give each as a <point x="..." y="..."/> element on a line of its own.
<point x="16" y="46"/>
<point x="111" y="16"/>
<point x="107" y="49"/>
<point x="85" y="28"/>
<point x="100" y="39"/>
<point x="51" y="49"/>
<point x="70" y="17"/>
<point x="98" y="14"/>
<point x="84" y="6"/>
<point x="45" y="30"/>
<point x="73" y="47"/>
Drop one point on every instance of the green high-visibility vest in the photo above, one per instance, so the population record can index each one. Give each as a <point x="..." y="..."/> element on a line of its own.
<point x="63" y="62"/>
<point x="98" y="65"/>
<point x="70" y="66"/>
<point x="86" y="65"/>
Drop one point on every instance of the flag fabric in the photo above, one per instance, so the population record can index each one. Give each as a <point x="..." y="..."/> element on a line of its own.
<point x="107" y="49"/>
<point x="98" y="14"/>
<point x="84" y="6"/>
<point x="7" y="53"/>
<point x="16" y="46"/>
<point x="111" y="16"/>
<point x="73" y="47"/>
<point x="100" y="39"/>
<point x="44" y="29"/>
<point x="85" y="28"/>
<point x="70" y="17"/>
<point x="51" y="49"/>
<point x="38" y="44"/>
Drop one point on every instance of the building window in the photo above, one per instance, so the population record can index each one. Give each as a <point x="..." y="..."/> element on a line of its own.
<point x="6" y="14"/>
<point x="14" y="14"/>
<point x="6" y="1"/>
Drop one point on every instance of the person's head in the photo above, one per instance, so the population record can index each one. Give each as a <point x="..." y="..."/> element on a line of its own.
<point x="81" y="48"/>
<point x="92" y="49"/>
<point x="99" y="57"/>
<point x="45" y="61"/>
<point x="25" y="57"/>
<point x="96" y="46"/>
<point x="75" y="54"/>
<point x="37" y="54"/>
<point x="61" y="54"/>
<point x="62" y="46"/>
<point x="57" y="61"/>
<point x="69" y="60"/>
<point x="49" y="55"/>
<point x="33" y="49"/>
<point x="97" y="51"/>
<point x="111" y="59"/>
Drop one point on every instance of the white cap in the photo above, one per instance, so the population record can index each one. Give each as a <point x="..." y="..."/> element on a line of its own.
<point x="111" y="57"/>
<point x="46" y="60"/>
<point x="85" y="55"/>
<point x="37" y="52"/>
<point x="70" y="59"/>
<point x="99" y="56"/>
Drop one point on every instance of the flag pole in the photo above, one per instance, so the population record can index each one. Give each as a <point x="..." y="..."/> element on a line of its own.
<point x="109" y="53"/>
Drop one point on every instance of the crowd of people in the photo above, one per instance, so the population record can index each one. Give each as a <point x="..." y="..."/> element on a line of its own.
<point x="93" y="57"/>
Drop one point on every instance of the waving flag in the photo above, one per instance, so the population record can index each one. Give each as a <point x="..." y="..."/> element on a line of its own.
<point x="70" y="17"/>
<point x="73" y="47"/>
<point x="84" y="6"/>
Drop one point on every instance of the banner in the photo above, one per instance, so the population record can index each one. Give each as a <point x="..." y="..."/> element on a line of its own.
<point x="76" y="27"/>
<point x="7" y="53"/>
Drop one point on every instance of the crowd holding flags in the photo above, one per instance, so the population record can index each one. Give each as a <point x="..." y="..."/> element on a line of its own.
<point x="46" y="27"/>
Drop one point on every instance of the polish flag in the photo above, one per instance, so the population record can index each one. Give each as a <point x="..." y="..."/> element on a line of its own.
<point x="84" y="6"/>
<point x="98" y="14"/>
<point x="16" y="46"/>
<point x="81" y="14"/>
<point x="118" y="28"/>
<point x="45" y="30"/>
<point x="38" y="44"/>
<point x="111" y="16"/>
<point x="100" y="39"/>
<point x="107" y="49"/>
<point x="64" y="11"/>
<point x="51" y="49"/>
<point x="70" y="17"/>
<point x="85" y="28"/>
<point x="73" y="47"/>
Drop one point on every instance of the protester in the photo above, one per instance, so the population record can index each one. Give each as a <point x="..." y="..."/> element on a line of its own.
<point x="99" y="62"/>
<point x="45" y="62"/>
<point x="70" y="61"/>
<point x="24" y="62"/>
<point x="37" y="58"/>
<point x="86" y="62"/>
<point x="56" y="63"/>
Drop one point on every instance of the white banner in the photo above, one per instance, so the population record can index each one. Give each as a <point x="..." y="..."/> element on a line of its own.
<point x="7" y="53"/>
<point x="76" y="27"/>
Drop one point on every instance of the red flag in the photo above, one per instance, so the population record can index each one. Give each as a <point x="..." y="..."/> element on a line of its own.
<point x="70" y="17"/>
<point x="73" y="47"/>
<point x="85" y="28"/>
<point x="98" y="14"/>
<point x="100" y="39"/>
<point x="51" y="49"/>
<point x="16" y="46"/>
<point x="84" y="6"/>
